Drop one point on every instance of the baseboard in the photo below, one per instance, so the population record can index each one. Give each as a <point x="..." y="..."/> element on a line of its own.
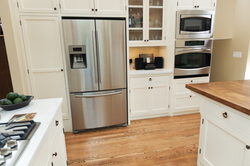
<point x="185" y="112"/>
<point x="149" y="116"/>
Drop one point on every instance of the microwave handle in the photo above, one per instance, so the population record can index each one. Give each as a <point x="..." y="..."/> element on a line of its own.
<point x="199" y="16"/>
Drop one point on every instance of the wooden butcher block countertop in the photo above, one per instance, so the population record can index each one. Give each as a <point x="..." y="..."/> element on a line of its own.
<point x="235" y="94"/>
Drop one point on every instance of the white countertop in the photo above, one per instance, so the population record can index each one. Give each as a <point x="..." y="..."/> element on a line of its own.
<point x="148" y="72"/>
<point x="46" y="110"/>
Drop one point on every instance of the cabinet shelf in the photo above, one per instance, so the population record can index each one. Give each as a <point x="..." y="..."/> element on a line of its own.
<point x="155" y="28"/>
<point x="136" y="29"/>
<point x="156" y="7"/>
<point x="135" y="6"/>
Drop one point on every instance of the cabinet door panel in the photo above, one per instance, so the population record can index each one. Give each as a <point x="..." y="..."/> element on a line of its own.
<point x="110" y="7"/>
<point x="139" y="100"/>
<point x="160" y="98"/>
<point x="221" y="147"/>
<point x="206" y="4"/>
<point x="78" y="6"/>
<point x="50" y="6"/>
<point x="186" y="4"/>
<point x="44" y="55"/>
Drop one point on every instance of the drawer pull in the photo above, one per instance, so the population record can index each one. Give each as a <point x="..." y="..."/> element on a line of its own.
<point x="57" y="122"/>
<point x="225" y="115"/>
<point x="191" y="80"/>
<point x="150" y="79"/>
<point x="151" y="87"/>
<point x="248" y="147"/>
<point x="148" y="87"/>
<point x="190" y="95"/>
<point x="54" y="154"/>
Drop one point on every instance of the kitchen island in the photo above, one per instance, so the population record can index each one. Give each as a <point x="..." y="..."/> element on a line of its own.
<point x="47" y="145"/>
<point x="225" y="120"/>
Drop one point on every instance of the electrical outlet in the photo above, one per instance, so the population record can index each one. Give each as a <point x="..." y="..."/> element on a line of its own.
<point x="237" y="54"/>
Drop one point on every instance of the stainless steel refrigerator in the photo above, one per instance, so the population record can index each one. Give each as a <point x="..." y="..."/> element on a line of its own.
<point x="96" y="71"/>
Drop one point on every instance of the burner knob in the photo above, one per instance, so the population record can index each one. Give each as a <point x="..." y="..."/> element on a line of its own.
<point x="6" y="152"/>
<point x="12" y="144"/>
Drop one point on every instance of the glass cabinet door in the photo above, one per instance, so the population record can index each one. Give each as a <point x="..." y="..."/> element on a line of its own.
<point x="155" y="19"/>
<point x="135" y="20"/>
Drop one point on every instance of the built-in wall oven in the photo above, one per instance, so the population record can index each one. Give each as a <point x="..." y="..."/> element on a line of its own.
<point x="194" y="24"/>
<point x="192" y="58"/>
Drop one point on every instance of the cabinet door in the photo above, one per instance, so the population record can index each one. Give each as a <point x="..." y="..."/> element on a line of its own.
<point x="186" y="4"/>
<point x="44" y="56"/>
<point x="140" y="101"/>
<point x="221" y="145"/>
<point x="159" y="97"/>
<point x="58" y="151"/>
<point x="155" y="21"/>
<point x="206" y="4"/>
<point x="44" y="6"/>
<point x="110" y="7"/>
<point x="78" y="6"/>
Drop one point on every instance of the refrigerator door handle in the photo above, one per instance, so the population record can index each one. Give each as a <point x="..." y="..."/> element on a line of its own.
<point x="98" y="53"/>
<point x="95" y="59"/>
<point x="99" y="94"/>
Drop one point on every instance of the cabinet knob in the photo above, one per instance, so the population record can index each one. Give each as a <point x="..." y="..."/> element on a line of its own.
<point x="190" y="95"/>
<point x="225" y="115"/>
<point x="151" y="87"/>
<point x="55" y="8"/>
<point x="194" y="6"/>
<point x="248" y="147"/>
<point x="57" y="122"/>
<point x="150" y="79"/>
<point x="95" y="9"/>
<point x="191" y="80"/>
<point x="198" y="6"/>
<point x="148" y="87"/>
<point x="147" y="40"/>
<point x="54" y="154"/>
<point x="92" y="9"/>
<point x="61" y="69"/>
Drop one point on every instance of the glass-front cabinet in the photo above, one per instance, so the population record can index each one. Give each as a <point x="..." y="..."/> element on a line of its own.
<point x="146" y="23"/>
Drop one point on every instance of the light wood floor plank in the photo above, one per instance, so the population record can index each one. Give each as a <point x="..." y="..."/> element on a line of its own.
<point x="165" y="141"/>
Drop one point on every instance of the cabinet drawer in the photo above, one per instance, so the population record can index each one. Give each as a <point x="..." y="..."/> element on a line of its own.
<point x="148" y="80"/>
<point x="186" y="103"/>
<point x="180" y="85"/>
<point x="231" y="118"/>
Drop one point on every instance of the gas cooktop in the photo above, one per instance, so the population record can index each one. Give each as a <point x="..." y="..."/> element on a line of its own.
<point x="13" y="139"/>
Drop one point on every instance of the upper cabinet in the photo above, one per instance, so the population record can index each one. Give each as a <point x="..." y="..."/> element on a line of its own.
<point x="146" y="23"/>
<point x="196" y="4"/>
<point x="94" y="7"/>
<point x="38" y="6"/>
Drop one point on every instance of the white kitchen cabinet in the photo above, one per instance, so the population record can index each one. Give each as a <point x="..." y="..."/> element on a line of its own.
<point x="44" y="56"/>
<point x="53" y="149"/>
<point x="146" y="23"/>
<point x="38" y="6"/>
<point x="149" y="96"/>
<point x="94" y="7"/>
<point x="183" y="100"/>
<point x="196" y="4"/>
<point x="223" y="139"/>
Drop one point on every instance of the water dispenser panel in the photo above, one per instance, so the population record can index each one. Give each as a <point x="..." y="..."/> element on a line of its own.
<point x="77" y="55"/>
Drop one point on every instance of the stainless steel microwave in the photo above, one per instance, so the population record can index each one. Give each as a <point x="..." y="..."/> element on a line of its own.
<point x="194" y="24"/>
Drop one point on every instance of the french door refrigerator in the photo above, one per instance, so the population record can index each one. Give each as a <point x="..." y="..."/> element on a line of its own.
<point x="96" y="71"/>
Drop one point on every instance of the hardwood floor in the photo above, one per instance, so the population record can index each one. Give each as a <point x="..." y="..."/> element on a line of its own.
<point x="165" y="141"/>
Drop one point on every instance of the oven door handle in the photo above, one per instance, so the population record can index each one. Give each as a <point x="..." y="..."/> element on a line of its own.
<point x="192" y="50"/>
<point x="190" y="32"/>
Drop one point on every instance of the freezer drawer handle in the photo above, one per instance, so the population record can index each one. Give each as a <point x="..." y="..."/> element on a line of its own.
<point x="98" y="95"/>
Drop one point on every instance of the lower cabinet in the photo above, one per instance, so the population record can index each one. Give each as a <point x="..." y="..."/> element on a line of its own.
<point x="224" y="138"/>
<point x="149" y="96"/>
<point x="53" y="149"/>
<point x="183" y="101"/>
